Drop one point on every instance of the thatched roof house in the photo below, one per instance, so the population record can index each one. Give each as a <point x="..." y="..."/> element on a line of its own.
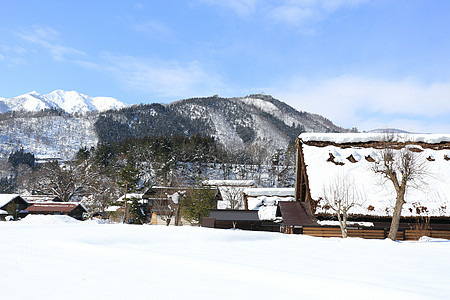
<point x="325" y="156"/>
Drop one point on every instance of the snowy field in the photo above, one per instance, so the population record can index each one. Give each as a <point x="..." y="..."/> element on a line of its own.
<point x="59" y="258"/>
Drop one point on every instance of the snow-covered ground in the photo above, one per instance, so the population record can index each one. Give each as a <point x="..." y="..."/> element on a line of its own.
<point x="60" y="258"/>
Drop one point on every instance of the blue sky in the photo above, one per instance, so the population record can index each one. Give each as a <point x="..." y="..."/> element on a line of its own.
<point x="364" y="63"/>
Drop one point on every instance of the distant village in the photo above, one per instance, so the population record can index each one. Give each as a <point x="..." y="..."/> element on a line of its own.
<point x="346" y="184"/>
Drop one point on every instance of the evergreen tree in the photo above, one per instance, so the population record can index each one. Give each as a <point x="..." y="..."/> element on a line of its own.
<point x="21" y="157"/>
<point x="199" y="200"/>
<point x="128" y="180"/>
<point x="138" y="211"/>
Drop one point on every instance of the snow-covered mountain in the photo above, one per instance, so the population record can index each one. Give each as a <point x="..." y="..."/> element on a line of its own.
<point x="69" y="101"/>
<point x="241" y="122"/>
<point x="234" y="122"/>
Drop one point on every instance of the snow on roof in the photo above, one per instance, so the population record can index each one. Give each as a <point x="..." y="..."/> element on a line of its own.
<point x="229" y="182"/>
<point x="256" y="203"/>
<point x="375" y="197"/>
<point x="267" y="213"/>
<point x="130" y="196"/>
<point x="6" y="198"/>
<point x="112" y="208"/>
<point x="341" y="138"/>
<point x="39" y="198"/>
<point x="280" y="192"/>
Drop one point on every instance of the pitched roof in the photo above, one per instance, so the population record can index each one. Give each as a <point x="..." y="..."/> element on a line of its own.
<point x="330" y="159"/>
<point x="6" y="198"/>
<point x="294" y="214"/>
<point x="54" y="207"/>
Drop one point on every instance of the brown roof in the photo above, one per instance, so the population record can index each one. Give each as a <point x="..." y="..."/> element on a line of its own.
<point x="52" y="207"/>
<point x="294" y="214"/>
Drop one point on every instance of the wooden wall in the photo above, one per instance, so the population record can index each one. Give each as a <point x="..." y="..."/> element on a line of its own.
<point x="374" y="233"/>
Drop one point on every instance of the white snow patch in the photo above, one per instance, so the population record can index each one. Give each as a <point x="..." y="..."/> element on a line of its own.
<point x="229" y="182"/>
<point x="48" y="219"/>
<point x="282" y="192"/>
<point x="130" y="261"/>
<point x="69" y="101"/>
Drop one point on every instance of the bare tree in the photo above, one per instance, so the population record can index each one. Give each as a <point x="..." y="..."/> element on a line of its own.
<point x="258" y="152"/>
<point x="233" y="195"/>
<point x="341" y="195"/>
<point x="55" y="179"/>
<point x="404" y="169"/>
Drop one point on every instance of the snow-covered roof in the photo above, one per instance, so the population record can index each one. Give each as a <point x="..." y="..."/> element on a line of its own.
<point x="112" y="208"/>
<point x="341" y="138"/>
<point x="39" y="198"/>
<point x="130" y="196"/>
<point x="6" y="198"/>
<point x="376" y="198"/>
<point x="280" y="192"/>
<point x="255" y="203"/>
<point x="229" y="182"/>
<point x="267" y="213"/>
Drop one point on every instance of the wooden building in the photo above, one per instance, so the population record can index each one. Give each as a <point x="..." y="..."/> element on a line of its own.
<point x="230" y="192"/>
<point x="238" y="219"/>
<point x="72" y="209"/>
<point x="322" y="157"/>
<point x="12" y="205"/>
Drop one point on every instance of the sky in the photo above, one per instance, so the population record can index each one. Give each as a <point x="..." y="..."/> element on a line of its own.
<point x="360" y="63"/>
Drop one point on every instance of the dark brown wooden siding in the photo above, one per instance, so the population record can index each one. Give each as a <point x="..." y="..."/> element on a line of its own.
<point x="373" y="233"/>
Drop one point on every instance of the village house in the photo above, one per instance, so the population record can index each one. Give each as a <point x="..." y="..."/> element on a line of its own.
<point x="12" y="205"/>
<point x="268" y="209"/>
<point x="323" y="157"/>
<point x="230" y="192"/>
<point x="41" y="198"/>
<point x="73" y="209"/>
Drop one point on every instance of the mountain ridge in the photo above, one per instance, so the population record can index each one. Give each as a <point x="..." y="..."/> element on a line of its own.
<point x="236" y="123"/>
<point x="69" y="101"/>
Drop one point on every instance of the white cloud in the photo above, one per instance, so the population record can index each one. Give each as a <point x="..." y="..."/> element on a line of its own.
<point x="298" y="13"/>
<point x="152" y="27"/>
<point x="240" y="7"/>
<point x="139" y="6"/>
<point x="165" y="79"/>
<point x="303" y="13"/>
<point x="367" y="103"/>
<point x="47" y="37"/>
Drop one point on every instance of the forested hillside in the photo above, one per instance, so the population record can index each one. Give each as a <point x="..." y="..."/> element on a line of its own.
<point x="234" y="123"/>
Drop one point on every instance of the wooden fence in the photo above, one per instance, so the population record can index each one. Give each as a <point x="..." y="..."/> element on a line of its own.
<point x="374" y="233"/>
